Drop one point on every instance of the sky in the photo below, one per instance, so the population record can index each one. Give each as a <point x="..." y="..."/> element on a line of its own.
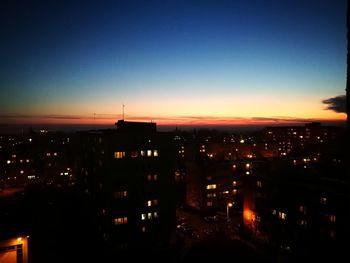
<point x="171" y="62"/>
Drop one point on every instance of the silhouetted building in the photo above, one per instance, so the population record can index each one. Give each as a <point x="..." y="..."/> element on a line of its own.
<point x="129" y="174"/>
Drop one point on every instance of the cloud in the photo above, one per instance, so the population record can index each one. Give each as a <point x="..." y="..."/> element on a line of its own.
<point x="337" y="104"/>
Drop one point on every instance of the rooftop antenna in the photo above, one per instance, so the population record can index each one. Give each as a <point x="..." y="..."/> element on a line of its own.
<point x="123" y="106"/>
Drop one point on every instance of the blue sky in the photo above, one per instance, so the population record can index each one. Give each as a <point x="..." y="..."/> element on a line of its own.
<point x="170" y="59"/>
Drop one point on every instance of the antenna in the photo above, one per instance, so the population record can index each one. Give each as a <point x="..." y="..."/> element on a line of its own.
<point x="123" y="106"/>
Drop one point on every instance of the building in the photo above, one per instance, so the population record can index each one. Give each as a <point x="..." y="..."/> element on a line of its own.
<point x="14" y="250"/>
<point x="129" y="174"/>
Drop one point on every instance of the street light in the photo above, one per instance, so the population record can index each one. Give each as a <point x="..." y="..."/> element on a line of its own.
<point x="229" y="204"/>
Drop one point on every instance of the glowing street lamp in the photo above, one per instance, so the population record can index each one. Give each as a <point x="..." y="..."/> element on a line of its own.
<point x="229" y="204"/>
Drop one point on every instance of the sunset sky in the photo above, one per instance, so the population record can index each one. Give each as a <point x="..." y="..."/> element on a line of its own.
<point x="172" y="62"/>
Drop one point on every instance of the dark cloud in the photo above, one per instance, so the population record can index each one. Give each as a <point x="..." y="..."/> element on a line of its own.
<point x="337" y="104"/>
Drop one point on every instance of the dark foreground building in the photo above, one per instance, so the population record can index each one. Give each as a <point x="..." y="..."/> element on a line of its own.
<point x="128" y="173"/>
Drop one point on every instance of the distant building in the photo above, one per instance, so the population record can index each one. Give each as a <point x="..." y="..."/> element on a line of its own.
<point x="129" y="173"/>
<point x="295" y="138"/>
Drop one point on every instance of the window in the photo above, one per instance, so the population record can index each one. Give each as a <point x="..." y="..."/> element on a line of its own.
<point x="259" y="184"/>
<point x="155" y="153"/>
<point x="8" y="161"/>
<point x="120" y="220"/>
<point x="155" y="214"/>
<point x="282" y="215"/>
<point x="149" y="177"/>
<point x="119" y="155"/>
<point x="134" y="154"/>
<point x="323" y="200"/>
<point x="234" y="183"/>
<point x="332" y="218"/>
<point x="142" y="153"/>
<point x="143" y="229"/>
<point x="302" y="209"/>
<point x="209" y="203"/>
<point x="48" y="154"/>
<point x="143" y="216"/>
<point x="211" y="186"/>
<point x="234" y="191"/>
<point x="120" y="194"/>
<point x="332" y="234"/>
<point x="155" y="202"/>
<point x="149" y="153"/>
<point x="149" y="203"/>
<point x="149" y="215"/>
<point x="155" y="177"/>
<point x="302" y="222"/>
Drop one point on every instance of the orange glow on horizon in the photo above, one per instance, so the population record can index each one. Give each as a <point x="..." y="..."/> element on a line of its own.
<point x="195" y="120"/>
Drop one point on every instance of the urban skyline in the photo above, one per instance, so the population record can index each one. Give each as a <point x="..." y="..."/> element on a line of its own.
<point x="184" y="63"/>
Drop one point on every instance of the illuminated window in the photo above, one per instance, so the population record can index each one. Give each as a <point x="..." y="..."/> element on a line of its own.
<point x="332" y="218"/>
<point x="234" y="183"/>
<point x="247" y="173"/>
<point x="155" y="177"/>
<point x="247" y="165"/>
<point x="323" y="200"/>
<point x="210" y="195"/>
<point x="274" y="212"/>
<point x="120" y="220"/>
<point x="142" y="153"/>
<point x="155" y="153"/>
<point x="155" y="214"/>
<point x="31" y="177"/>
<point x="143" y="229"/>
<point x="149" y="203"/>
<point x="211" y="186"/>
<point x="48" y="154"/>
<point x="234" y="191"/>
<point x="155" y="202"/>
<point x="209" y="203"/>
<point x="302" y="209"/>
<point x="119" y="155"/>
<point x="149" y="215"/>
<point x="149" y="153"/>
<point x="259" y="184"/>
<point x="134" y="154"/>
<point x="149" y="177"/>
<point x="21" y="161"/>
<point x="14" y="156"/>
<point x="55" y="154"/>
<point x="143" y="216"/>
<point x="120" y="194"/>
<point x="302" y="222"/>
<point x="282" y="215"/>
<point x="21" y="172"/>
<point x="27" y="160"/>
<point x="8" y="161"/>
